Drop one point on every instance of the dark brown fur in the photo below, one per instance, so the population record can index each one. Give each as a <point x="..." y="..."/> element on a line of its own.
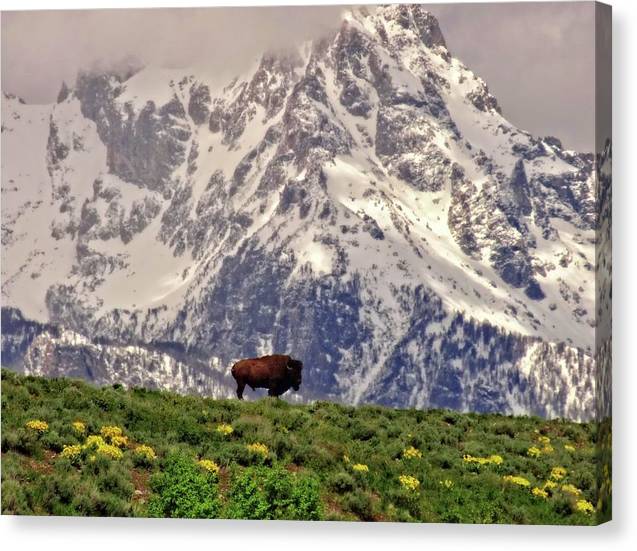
<point x="278" y="373"/>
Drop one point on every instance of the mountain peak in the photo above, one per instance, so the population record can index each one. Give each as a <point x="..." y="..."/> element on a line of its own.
<point x="415" y="18"/>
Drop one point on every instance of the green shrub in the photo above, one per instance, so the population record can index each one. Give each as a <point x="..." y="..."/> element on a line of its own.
<point x="183" y="490"/>
<point x="251" y="427"/>
<point x="14" y="498"/>
<point x="312" y="457"/>
<point x="360" y="503"/>
<point x="53" y="441"/>
<point x="445" y="459"/>
<point x="263" y="493"/>
<point x="72" y="397"/>
<point x="341" y="482"/>
<point x="247" y="500"/>
<point x="505" y="427"/>
<point x="22" y="441"/>
<point x="190" y="432"/>
<point x="115" y="479"/>
<point x="109" y="505"/>
<point x="363" y="431"/>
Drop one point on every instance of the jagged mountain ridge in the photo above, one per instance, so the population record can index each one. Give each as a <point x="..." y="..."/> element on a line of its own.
<point x="361" y="203"/>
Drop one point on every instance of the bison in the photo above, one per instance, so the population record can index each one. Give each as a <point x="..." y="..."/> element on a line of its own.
<point x="277" y="373"/>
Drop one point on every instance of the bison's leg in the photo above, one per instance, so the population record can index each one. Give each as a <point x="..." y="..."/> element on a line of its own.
<point x="240" y="388"/>
<point x="274" y="390"/>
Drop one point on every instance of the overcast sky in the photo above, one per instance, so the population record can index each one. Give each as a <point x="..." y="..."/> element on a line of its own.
<point x="537" y="58"/>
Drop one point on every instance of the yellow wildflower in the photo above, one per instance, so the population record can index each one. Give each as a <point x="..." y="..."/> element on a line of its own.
<point x="359" y="467"/>
<point x="37" y="425"/>
<point x="494" y="459"/>
<point x="71" y="452"/>
<point x="258" y="449"/>
<point x="411" y="453"/>
<point x="109" y="431"/>
<point x="119" y="441"/>
<point x="519" y="480"/>
<point x="583" y="506"/>
<point x="534" y="451"/>
<point x="145" y="452"/>
<point x="547" y="448"/>
<point x="549" y="484"/>
<point x="558" y="473"/>
<point x="94" y="441"/>
<point x="544" y="440"/>
<point x="346" y="458"/>
<point x="79" y="427"/>
<point x="571" y="489"/>
<point x="569" y="448"/>
<point x="209" y="465"/>
<point x="225" y="429"/>
<point x="110" y="451"/>
<point x="539" y="492"/>
<point x="409" y="482"/>
<point x="448" y="484"/>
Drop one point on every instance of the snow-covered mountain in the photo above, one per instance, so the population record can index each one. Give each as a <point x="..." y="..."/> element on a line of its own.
<point x="361" y="203"/>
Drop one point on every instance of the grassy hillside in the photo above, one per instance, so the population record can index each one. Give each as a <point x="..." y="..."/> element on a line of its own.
<point x="72" y="449"/>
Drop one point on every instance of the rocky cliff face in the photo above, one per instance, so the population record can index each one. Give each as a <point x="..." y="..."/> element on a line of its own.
<point x="361" y="203"/>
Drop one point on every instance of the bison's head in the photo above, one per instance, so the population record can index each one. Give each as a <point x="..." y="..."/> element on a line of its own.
<point x="294" y="369"/>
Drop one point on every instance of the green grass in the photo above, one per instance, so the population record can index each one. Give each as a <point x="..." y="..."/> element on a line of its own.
<point x="308" y="470"/>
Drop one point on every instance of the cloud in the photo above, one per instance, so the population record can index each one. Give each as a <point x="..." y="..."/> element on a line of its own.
<point x="40" y="49"/>
<point x="537" y="58"/>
